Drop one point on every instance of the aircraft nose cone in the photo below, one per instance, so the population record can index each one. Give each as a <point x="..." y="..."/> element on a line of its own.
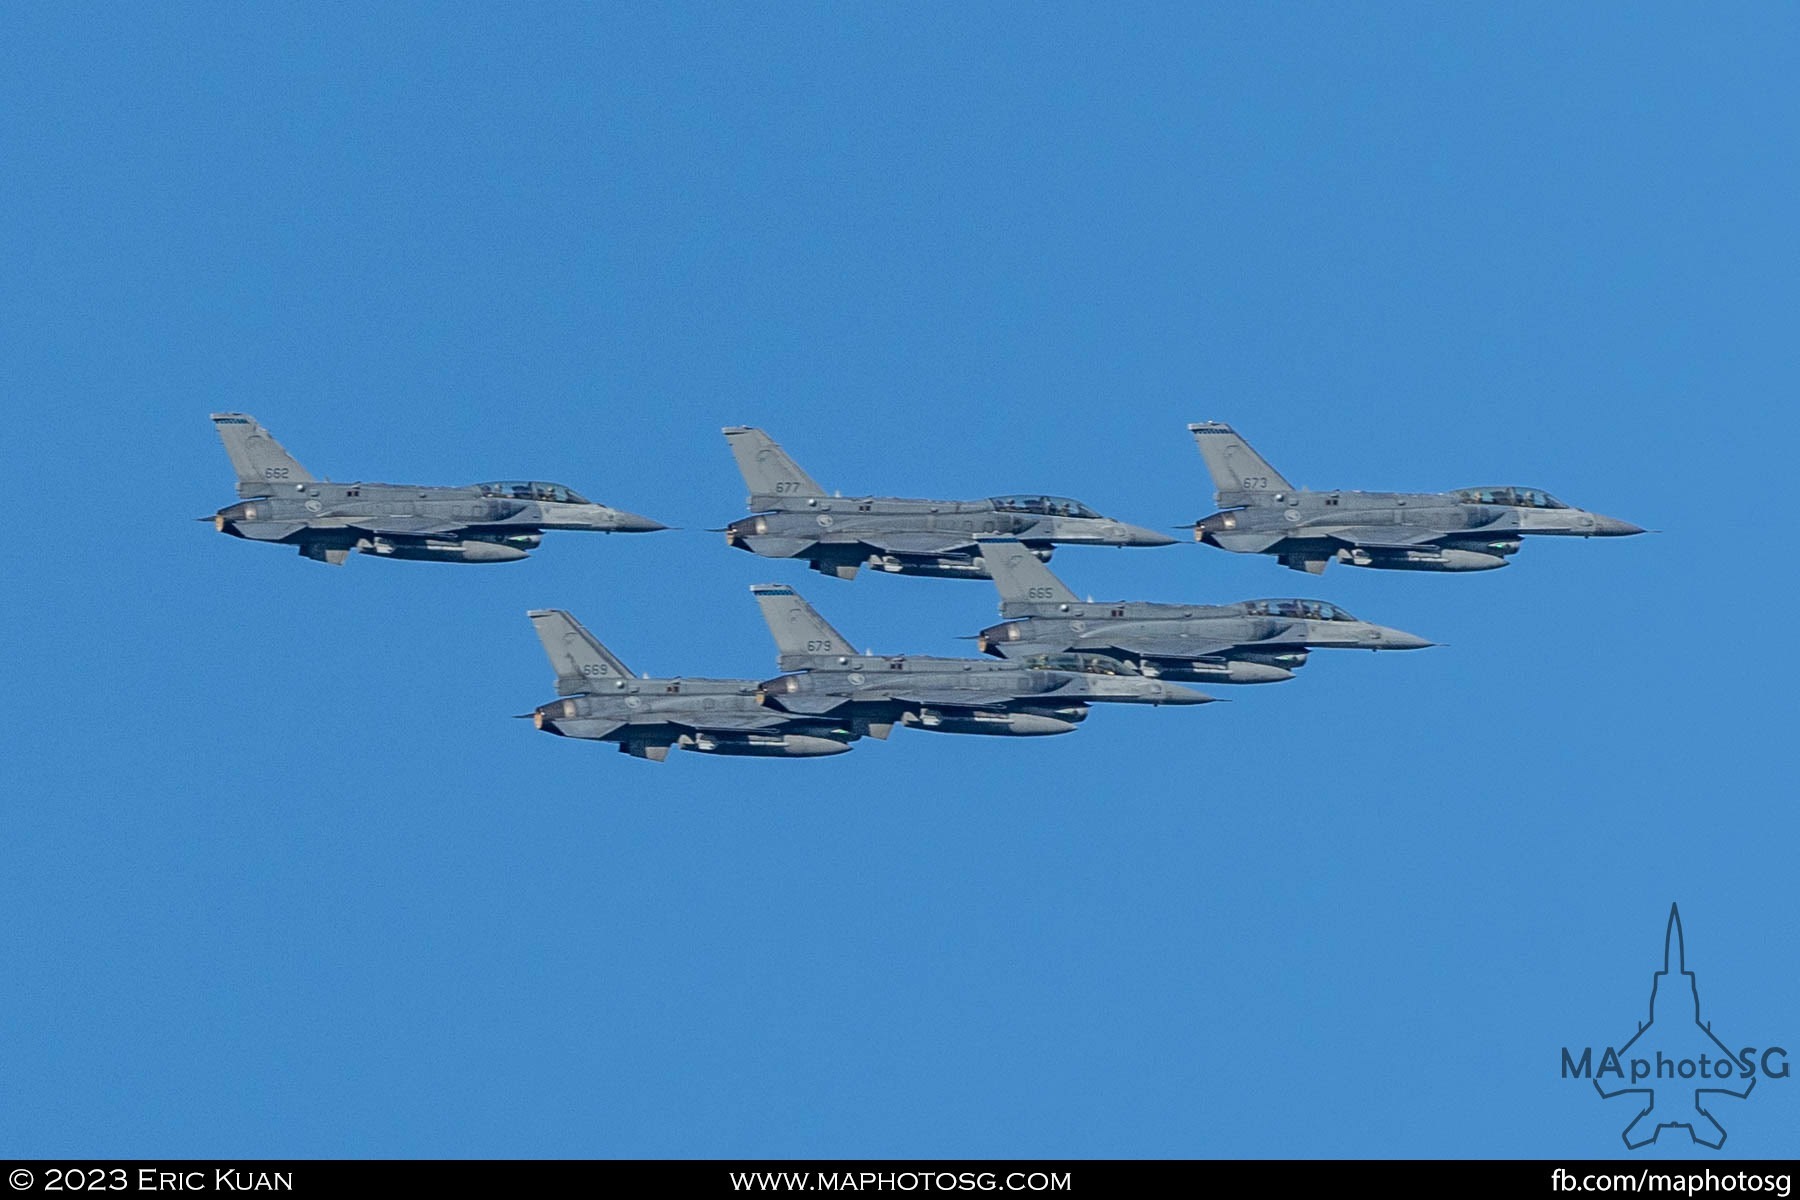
<point x="1613" y="527"/>
<point x="1137" y="535"/>
<point x="624" y="522"/>
<point x="1399" y="639"/>
<point x="1175" y="693"/>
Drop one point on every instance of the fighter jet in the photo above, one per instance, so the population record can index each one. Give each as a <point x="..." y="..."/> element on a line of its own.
<point x="1473" y="529"/>
<point x="1253" y="641"/>
<point x="1032" y="697"/>
<point x="836" y="535"/>
<point x="603" y="701"/>
<point x="480" y="523"/>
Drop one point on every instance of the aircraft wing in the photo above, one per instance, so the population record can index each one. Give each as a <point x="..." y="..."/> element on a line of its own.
<point x="916" y="543"/>
<point x="770" y="546"/>
<point x="409" y="527"/>
<point x="1171" y="646"/>
<point x="1387" y="537"/>
<point x="645" y="725"/>
<point x="958" y="698"/>
<point x="727" y="722"/>
<point x="810" y="704"/>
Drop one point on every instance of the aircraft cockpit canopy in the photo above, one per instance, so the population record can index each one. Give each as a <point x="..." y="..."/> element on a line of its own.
<point x="1298" y="610"/>
<point x="1509" y="497"/>
<point x="1044" y="506"/>
<point x="552" y="493"/>
<point x="1085" y="664"/>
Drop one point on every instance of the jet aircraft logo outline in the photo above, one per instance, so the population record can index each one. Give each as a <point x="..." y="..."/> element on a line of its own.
<point x="1701" y="1125"/>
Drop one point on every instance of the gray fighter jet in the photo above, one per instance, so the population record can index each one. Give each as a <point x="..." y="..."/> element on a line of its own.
<point x="1253" y="641"/>
<point x="836" y="535"/>
<point x="1473" y="529"/>
<point x="481" y="523"/>
<point x="603" y="701"/>
<point x="1032" y="697"/>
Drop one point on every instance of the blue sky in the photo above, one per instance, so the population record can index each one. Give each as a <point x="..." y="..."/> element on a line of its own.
<point x="282" y="876"/>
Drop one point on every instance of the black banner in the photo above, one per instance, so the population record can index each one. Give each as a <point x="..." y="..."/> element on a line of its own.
<point x="867" y="1177"/>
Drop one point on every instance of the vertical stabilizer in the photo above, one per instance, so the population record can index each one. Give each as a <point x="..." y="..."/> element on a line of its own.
<point x="1240" y="475"/>
<point x="1025" y="584"/>
<point x="581" y="663"/>
<point x="261" y="464"/>
<point x="800" y="632"/>
<point x="768" y="471"/>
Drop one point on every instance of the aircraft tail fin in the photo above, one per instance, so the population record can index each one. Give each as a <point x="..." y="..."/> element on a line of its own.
<point x="1025" y="584"/>
<point x="766" y="467"/>
<point x="800" y="633"/>
<point x="581" y="663"/>
<point x="1240" y="475"/>
<point x="259" y="460"/>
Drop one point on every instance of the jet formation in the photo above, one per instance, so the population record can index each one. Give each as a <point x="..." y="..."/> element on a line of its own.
<point x="1044" y="665"/>
<point x="281" y="502"/>
<point x="1025" y="697"/>
<point x="828" y="695"/>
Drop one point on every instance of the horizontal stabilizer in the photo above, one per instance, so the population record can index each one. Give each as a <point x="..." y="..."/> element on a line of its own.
<point x="591" y="729"/>
<point x="1249" y="541"/>
<point x="811" y="704"/>
<point x="779" y="547"/>
<point x="268" y="531"/>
